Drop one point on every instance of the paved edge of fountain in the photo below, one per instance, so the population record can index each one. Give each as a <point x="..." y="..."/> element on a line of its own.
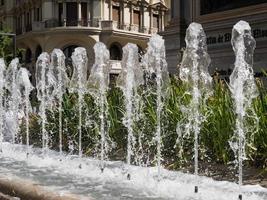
<point x="27" y="190"/>
<point x="7" y="197"/>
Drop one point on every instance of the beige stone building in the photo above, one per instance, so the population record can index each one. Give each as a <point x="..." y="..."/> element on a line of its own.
<point x="217" y="18"/>
<point x="42" y="25"/>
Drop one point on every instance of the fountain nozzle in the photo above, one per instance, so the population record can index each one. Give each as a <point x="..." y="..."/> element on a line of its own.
<point x="102" y="169"/>
<point x="128" y="176"/>
<point x="196" y="189"/>
<point x="240" y="197"/>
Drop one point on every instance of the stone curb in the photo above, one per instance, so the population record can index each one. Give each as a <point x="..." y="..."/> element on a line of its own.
<point x="26" y="190"/>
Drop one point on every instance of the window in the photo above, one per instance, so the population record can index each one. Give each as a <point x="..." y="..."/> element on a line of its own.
<point x="172" y="8"/>
<point x="156" y="21"/>
<point x="37" y="17"/>
<point x="68" y="53"/>
<point x="72" y="14"/>
<point x="136" y="16"/>
<point x="116" y="13"/>
<point x="115" y="51"/>
<point x="84" y="14"/>
<point x="60" y="13"/>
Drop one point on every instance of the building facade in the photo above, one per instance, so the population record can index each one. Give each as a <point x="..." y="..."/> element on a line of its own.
<point x="42" y="25"/>
<point x="217" y="18"/>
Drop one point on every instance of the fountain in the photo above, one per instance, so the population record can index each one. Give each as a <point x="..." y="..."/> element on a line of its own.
<point x="25" y="87"/>
<point x="243" y="88"/>
<point x="98" y="83"/>
<point x="155" y="63"/>
<point x="45" y="82"/>
<point x="78" y="84"/>
<point x="62" y="80"/>
<point x="145" y="125"/>
<point x="12" y="121"/>
<point x="129" y="79"/>
<point x="194" y="70"/>
<point x="2" y="85"/>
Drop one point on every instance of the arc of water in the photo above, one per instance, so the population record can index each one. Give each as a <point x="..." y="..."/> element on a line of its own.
<point x="242" y="86"/>
<point x="78" y="83"/>
<point x="155" y="63"/>
<point x="129" y="79"/>
<point x="98" y="83"/>
<point x="194" y="70"/>
<point x="2" y="82"/>
<point x="62" y="80"/>
<point x="25" y="88"/>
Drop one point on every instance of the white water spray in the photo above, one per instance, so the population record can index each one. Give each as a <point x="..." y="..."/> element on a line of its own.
<point x="155" y="63"/>
<point x="25" y="87"/>
<point x="13" y="100"/>
<point x="98" y="85"/>
<point x="2" y="85"/>
<point x="62" y="80"/>
<point x="78" y="84"/>
<point x="45" y="83"/>
<point x="243" y="87"/>
<point x="129" y="79"/>
<point x="194" y="70"/>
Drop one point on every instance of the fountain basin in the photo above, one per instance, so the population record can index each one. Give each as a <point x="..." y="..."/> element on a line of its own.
<point x="63" y="175"/>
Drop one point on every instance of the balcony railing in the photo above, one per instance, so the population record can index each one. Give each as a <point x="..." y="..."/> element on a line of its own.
<point x="154" y="30"/>
<point x="38" y="26"/>
<point x="19" y="31"/>
<point x="105" y="25"/>
<point x="109" y="25"/>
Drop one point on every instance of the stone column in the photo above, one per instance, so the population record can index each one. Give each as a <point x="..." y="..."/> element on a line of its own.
<point x="150" y="20"/>
<point x="142" y="18"/>
<point x="162" y="20"/>
<point x="23" y="22"/>
<point x="122" y="25"/>
<point x="110" y="10"/>
<point x="88" y="14"/>
<point x="32" y="13"/>
<point x="131" y="15"/>
<point x="79" y="7"/>
<point x="64" y="14"/>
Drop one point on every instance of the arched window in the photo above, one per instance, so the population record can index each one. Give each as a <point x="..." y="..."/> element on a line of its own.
<point x="38" y="52"/>
<point x="68" y="50"/>
<point x="28" y="56"/>
<point x="115" y="51"/>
